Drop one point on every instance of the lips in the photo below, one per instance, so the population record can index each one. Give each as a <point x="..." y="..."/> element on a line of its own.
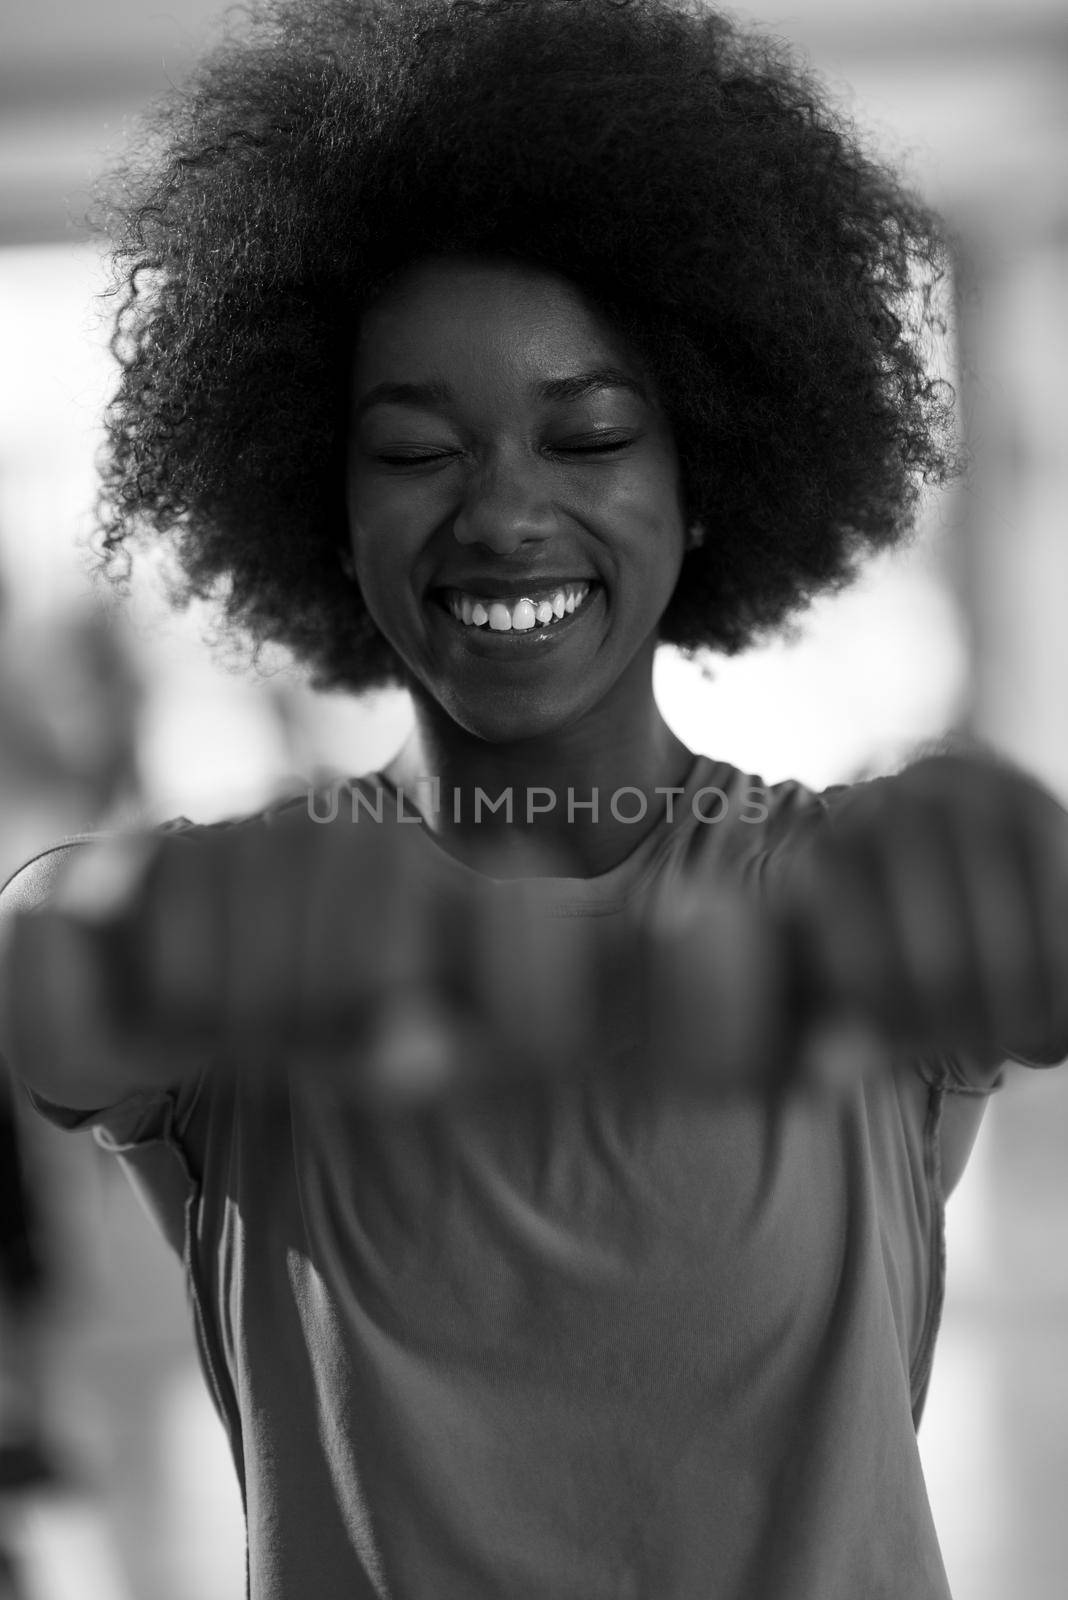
<point x="509" y="587"/>
<point x="535" y="608"/>
<point x="511" y="616"/>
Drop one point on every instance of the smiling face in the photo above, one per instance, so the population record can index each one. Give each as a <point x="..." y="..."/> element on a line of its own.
<point x="513" y="492"/>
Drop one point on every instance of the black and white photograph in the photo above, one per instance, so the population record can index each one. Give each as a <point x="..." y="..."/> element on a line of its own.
<point x="533" y="800"/>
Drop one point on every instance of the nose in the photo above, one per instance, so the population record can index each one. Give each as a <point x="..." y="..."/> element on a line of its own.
<point x="503" y="509"/>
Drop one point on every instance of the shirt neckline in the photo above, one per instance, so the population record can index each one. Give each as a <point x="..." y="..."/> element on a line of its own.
<point x="607" y="889"/>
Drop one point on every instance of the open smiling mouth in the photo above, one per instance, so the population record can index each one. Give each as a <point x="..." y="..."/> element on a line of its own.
<point x="539" y="615"/>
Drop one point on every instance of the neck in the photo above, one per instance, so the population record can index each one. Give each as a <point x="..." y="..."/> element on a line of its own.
<point x="559" y="789"/>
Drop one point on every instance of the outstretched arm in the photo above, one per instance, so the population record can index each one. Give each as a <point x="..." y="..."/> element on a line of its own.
<point x="368" y="959"/>
<point x="935" y="910"/>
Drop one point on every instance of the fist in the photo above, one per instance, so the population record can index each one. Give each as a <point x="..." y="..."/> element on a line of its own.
<point x="935" y="905"/>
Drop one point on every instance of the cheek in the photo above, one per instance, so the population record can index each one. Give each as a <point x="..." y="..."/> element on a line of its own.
<point x="383" y="537"/>
<point x="389" y="522"/>
<point x="655" y="546"/>
<point x="380" y="566"/>
<point x="649" y="506"/>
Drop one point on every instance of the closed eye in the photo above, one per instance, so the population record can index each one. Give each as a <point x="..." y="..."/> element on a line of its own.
<point x="592" y="447"/>
<point x="415" y="459"/>
<point x="588" y="447"/>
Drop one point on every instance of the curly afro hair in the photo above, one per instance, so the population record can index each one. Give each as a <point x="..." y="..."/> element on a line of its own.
<point x="778" y="284"/>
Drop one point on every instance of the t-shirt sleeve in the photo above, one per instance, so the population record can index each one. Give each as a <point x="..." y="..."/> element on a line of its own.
<point x="150" y="1132"/>
<point x="166" y="1137"/>
<point x="955" y="1072"/>
<point x="148" y="1129"/>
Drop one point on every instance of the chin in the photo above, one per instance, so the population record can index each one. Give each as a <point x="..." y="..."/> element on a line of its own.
<point x="508" y="717"/>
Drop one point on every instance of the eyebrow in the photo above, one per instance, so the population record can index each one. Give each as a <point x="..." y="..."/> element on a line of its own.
<point x="584" y="383"/>
<point x="435" y="393"/>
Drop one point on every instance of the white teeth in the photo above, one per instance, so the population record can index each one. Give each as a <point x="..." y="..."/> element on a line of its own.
<point x="521" y="616"/>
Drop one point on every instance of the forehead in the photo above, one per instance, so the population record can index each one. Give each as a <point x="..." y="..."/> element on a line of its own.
<point x="478" y="317"/>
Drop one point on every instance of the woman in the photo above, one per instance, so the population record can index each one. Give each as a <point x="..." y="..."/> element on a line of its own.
<point x="482" y="347"/>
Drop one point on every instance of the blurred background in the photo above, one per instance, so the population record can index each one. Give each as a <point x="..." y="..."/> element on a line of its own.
<point x="110" y="715"/>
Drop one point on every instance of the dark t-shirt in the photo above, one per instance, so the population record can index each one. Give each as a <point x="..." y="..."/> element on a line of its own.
<point x="594" y="1341"/>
